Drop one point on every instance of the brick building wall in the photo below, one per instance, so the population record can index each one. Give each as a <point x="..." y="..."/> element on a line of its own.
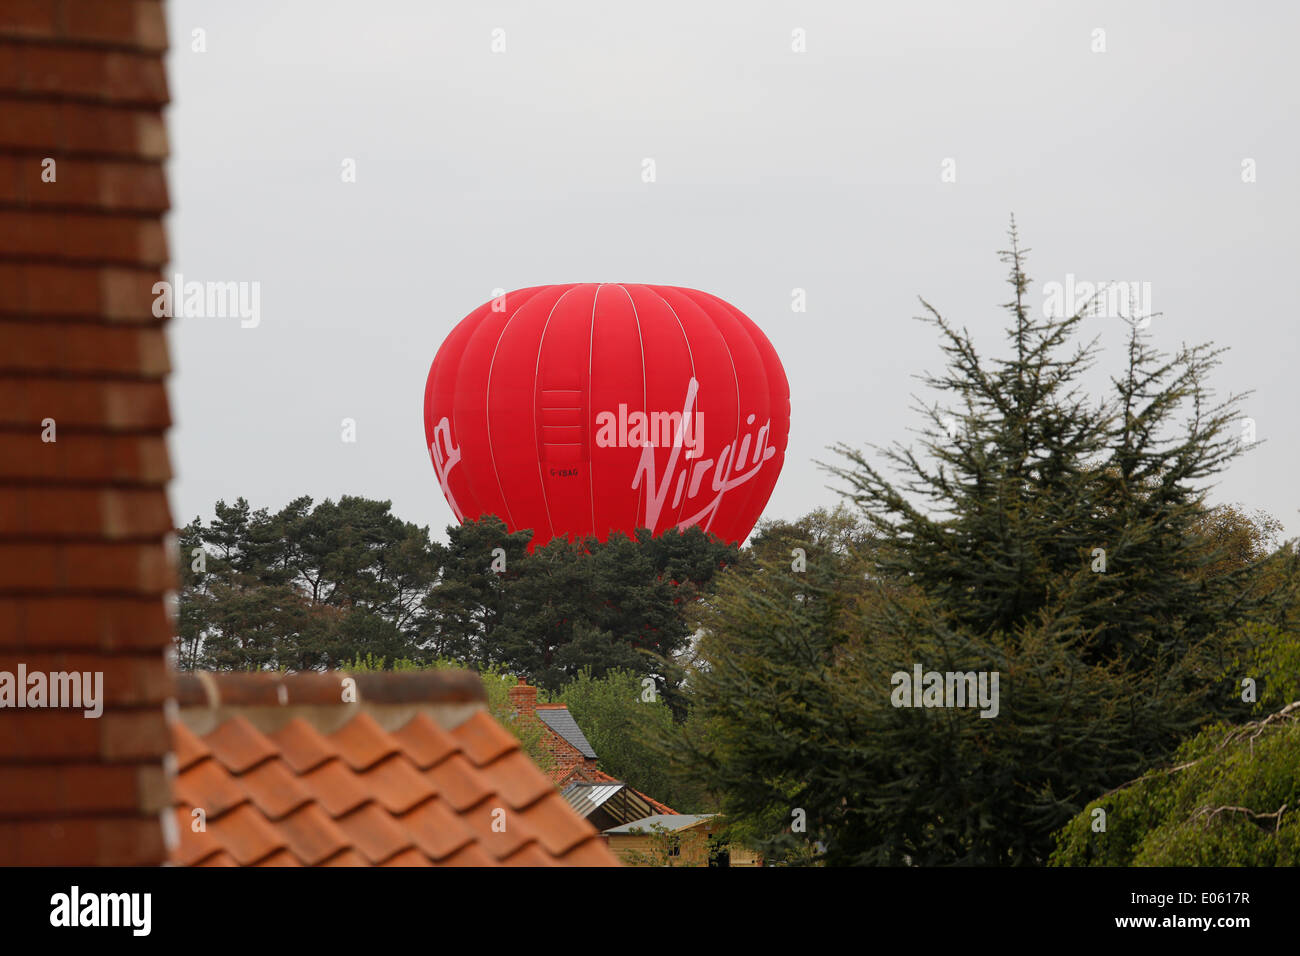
<point x="523" y="701"/>
<point x="84" y="519"/>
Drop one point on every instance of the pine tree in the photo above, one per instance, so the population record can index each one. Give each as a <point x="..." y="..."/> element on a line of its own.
<point x="1053" y="539"/>
<point x="1035" y="496"/>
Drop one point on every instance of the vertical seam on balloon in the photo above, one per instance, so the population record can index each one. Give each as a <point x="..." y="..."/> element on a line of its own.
<point x="749" y="327"/>
<point x="455" y="428"/>
<point x="644" y="395"/>
<point x="735" y="440"/>
<point x="591" y="458"/>
<point x="487" y="414"/>
<point x="541" y="342"/>
<point x="690" y="472"/>
<point x="479" y="506"/>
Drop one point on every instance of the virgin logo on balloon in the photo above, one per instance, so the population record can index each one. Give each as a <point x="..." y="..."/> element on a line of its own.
<point x="724" y="479"/>
<point x="622" y="429"/>
<point x="579" y="410"/>
<point x="445" y="454"/>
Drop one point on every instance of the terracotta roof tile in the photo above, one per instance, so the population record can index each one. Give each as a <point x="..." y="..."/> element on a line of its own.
<point x="396" y="784"/>
<point x="483" y="739"/>
<point x="280" y="858"/>
<point x="363" y="743"/>
<point x="239" y="745"/>
<point x="436" y="829"/>
<point x="408" y="858"/>
<point x="425" y="742"/>
<point x="471" y="855"/>
<point x="275" y="789"/>
<point x="246" y="834"/>
<point x="195" y="847"/>
<point x="561" y="829"/>
<point x="207" y="785"/>
<point x="302" y="745"/>
<point x="312" y="834"/>
<point x="317" y="790"/>
<point x="591" y="852"/>
<point x="530" y="855"/>
<point x="517" y="780"/>
<point x="459" y="782"/>
<point x="348" y="857"/>
<point x="500" y="830"/>
<point x="337" y="788"/>
<point x="376" y="834"/>
<point x="221" y="859"/>
<point x="187" y="746"/>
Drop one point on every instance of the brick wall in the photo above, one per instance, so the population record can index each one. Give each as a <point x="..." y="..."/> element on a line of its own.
<point x="523" y="701"/>
<point x="83" y="517"/>
<point x="565" y="755"/>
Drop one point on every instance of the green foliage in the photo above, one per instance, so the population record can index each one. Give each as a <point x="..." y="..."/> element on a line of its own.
<point x="309" y="587"/>
<point x="304" y="588"/>
<point x="1028" y="480"/>
<point x="625" y="730"/>
<point x="985" y="559"/>
<point x="1273" y="662"/>
<point x="1229" y="798"/>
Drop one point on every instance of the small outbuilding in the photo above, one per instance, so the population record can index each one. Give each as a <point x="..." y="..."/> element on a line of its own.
<point x="677" y="839"/>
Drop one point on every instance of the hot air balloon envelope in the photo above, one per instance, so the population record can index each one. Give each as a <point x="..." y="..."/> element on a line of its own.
<point x="577" y="410"/>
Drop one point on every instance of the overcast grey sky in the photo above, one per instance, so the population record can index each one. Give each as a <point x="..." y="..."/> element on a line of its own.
<point x="776" y="170"/>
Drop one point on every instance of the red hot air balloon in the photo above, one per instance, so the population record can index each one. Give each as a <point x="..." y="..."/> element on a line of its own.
<point x="583" y="409"/>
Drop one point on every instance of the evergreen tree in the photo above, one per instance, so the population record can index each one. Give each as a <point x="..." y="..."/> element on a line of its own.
<point x="1031" y="489"/>
<point x="314" y="585"/>
<point x="1052" y="539"/>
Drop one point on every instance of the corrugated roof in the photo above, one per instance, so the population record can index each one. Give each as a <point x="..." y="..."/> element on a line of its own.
<point x="561" y="721"/>
<point x="619" y="800"/>
<point x="592" y="775"/>
<point x="415" y="773"/>
<point x="669" y="821"/>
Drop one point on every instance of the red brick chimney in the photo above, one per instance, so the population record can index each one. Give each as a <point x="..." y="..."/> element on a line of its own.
<point x="84" y="563"/>
<point x="523" y="700"/>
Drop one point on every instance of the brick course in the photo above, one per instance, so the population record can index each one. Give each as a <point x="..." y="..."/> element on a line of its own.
<point x="84" y="520"/>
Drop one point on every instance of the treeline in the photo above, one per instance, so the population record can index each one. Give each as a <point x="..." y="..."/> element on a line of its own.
<point x="315" y="586"/>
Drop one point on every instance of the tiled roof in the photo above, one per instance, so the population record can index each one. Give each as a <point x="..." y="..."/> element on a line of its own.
<point x="415" y="773"/>
<point x="558" y="718"/>
<point x="83" y="415"/>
